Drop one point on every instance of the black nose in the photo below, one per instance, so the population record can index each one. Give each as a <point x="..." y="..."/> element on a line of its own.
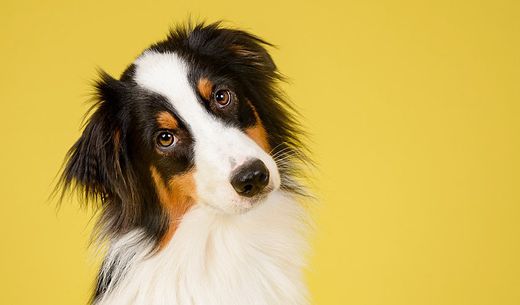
<point x="250" y="178"/>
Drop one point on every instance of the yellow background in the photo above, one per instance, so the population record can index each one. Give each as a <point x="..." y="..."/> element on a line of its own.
<point x="413" y="108"/>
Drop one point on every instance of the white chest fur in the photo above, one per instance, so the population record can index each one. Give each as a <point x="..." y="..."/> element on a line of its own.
<point x="217" y="259"/>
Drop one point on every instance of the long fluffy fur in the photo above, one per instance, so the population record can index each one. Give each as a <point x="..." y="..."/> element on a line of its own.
<point x="213" y="258"/>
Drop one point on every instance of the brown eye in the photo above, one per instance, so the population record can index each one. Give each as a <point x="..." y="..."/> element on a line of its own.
<point x="165" y="139"/>
<point x="223" y="97"/>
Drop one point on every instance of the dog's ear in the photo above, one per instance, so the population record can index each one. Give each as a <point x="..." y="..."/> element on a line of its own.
<point x="93" y="164"/>
<point x="250" y="51"/>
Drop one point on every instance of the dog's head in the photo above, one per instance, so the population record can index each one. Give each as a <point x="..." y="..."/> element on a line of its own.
<point x="196" y="119"/>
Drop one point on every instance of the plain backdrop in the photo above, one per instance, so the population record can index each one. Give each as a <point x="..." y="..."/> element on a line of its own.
<point x="413" y="110"/>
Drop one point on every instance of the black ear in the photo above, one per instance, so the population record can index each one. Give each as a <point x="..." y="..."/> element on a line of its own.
<point x="250" y="50"/>
<point x="93" y="164"/>
<point x="232" y="46"/>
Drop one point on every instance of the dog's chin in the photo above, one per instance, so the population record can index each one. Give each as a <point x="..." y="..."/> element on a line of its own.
<point x="240" y="205"/>
<point x="244" y="205"/>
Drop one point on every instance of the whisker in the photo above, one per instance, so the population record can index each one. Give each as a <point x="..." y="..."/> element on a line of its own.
<point x="283" y="150"/>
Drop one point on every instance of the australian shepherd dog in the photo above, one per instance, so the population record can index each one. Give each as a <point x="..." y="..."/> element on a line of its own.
<point x="193" y="159"/>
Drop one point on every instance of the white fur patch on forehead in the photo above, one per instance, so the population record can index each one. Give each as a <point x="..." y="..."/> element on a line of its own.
<point x="163" y="73"/>
<point x="167" y="74"/>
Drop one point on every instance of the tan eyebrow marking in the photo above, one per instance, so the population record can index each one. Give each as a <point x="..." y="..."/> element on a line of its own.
<point x="205" y="87"/>
<point x="166" y="120"/>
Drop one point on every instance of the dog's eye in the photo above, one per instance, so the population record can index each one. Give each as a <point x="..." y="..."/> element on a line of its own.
<point x="165" y="139"/>
<point x="223" y="97"/>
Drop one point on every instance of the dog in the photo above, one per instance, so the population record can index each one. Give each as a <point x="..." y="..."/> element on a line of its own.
<point x="193" y="158"/>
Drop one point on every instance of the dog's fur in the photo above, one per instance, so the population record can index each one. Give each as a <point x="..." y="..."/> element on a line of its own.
<point x="176" y="231"/>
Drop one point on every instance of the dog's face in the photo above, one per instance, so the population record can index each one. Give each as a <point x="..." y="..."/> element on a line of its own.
<point x="206" y="137"/>
<point x="196" y="119"/>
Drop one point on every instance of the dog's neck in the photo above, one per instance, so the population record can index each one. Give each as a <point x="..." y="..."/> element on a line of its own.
<point x="215" y="259"/>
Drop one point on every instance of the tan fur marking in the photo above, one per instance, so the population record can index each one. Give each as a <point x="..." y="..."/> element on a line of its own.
<point x="117" y="139"/>
<point x="117" y="144"/>
<point x="205" y="87"/>
<point x="255" y="58"/>
<point x="242" y="51"/>
<point x="258" y="133"/>
<point x="177" y="196"/>
<point x="166" y="120"/>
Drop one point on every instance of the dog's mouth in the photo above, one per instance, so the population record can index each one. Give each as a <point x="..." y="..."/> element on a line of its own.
<point x="245" y="205"/>
<point x="241" y="204"/>
<point x="258" y="198"/>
